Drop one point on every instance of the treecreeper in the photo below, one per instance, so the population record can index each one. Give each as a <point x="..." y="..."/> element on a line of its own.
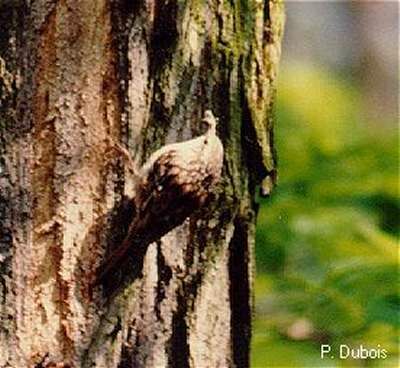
<point x="173" y="183"/>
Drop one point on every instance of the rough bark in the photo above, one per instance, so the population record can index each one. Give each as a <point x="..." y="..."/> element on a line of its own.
<point x="72" y="75"/>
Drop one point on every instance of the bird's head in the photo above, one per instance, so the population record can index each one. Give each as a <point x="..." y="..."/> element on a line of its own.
<point x="210" y="121"/>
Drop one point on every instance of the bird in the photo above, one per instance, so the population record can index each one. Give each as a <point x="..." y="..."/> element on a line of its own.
<point x="174" y="182"/>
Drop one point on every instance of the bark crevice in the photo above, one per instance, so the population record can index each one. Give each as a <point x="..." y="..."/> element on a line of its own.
<point x="239" y="291"/>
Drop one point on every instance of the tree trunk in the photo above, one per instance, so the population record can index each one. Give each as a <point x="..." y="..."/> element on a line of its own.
<point x="74" y="74"/>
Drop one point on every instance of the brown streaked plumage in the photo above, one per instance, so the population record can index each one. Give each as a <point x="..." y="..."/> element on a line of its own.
<point x="176" y="180"/>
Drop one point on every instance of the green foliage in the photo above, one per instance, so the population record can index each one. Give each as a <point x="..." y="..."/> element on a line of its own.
<point x="326" y="241"/>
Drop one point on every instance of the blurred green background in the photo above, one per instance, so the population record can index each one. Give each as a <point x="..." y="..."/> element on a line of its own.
<point x="327" y="239"/>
